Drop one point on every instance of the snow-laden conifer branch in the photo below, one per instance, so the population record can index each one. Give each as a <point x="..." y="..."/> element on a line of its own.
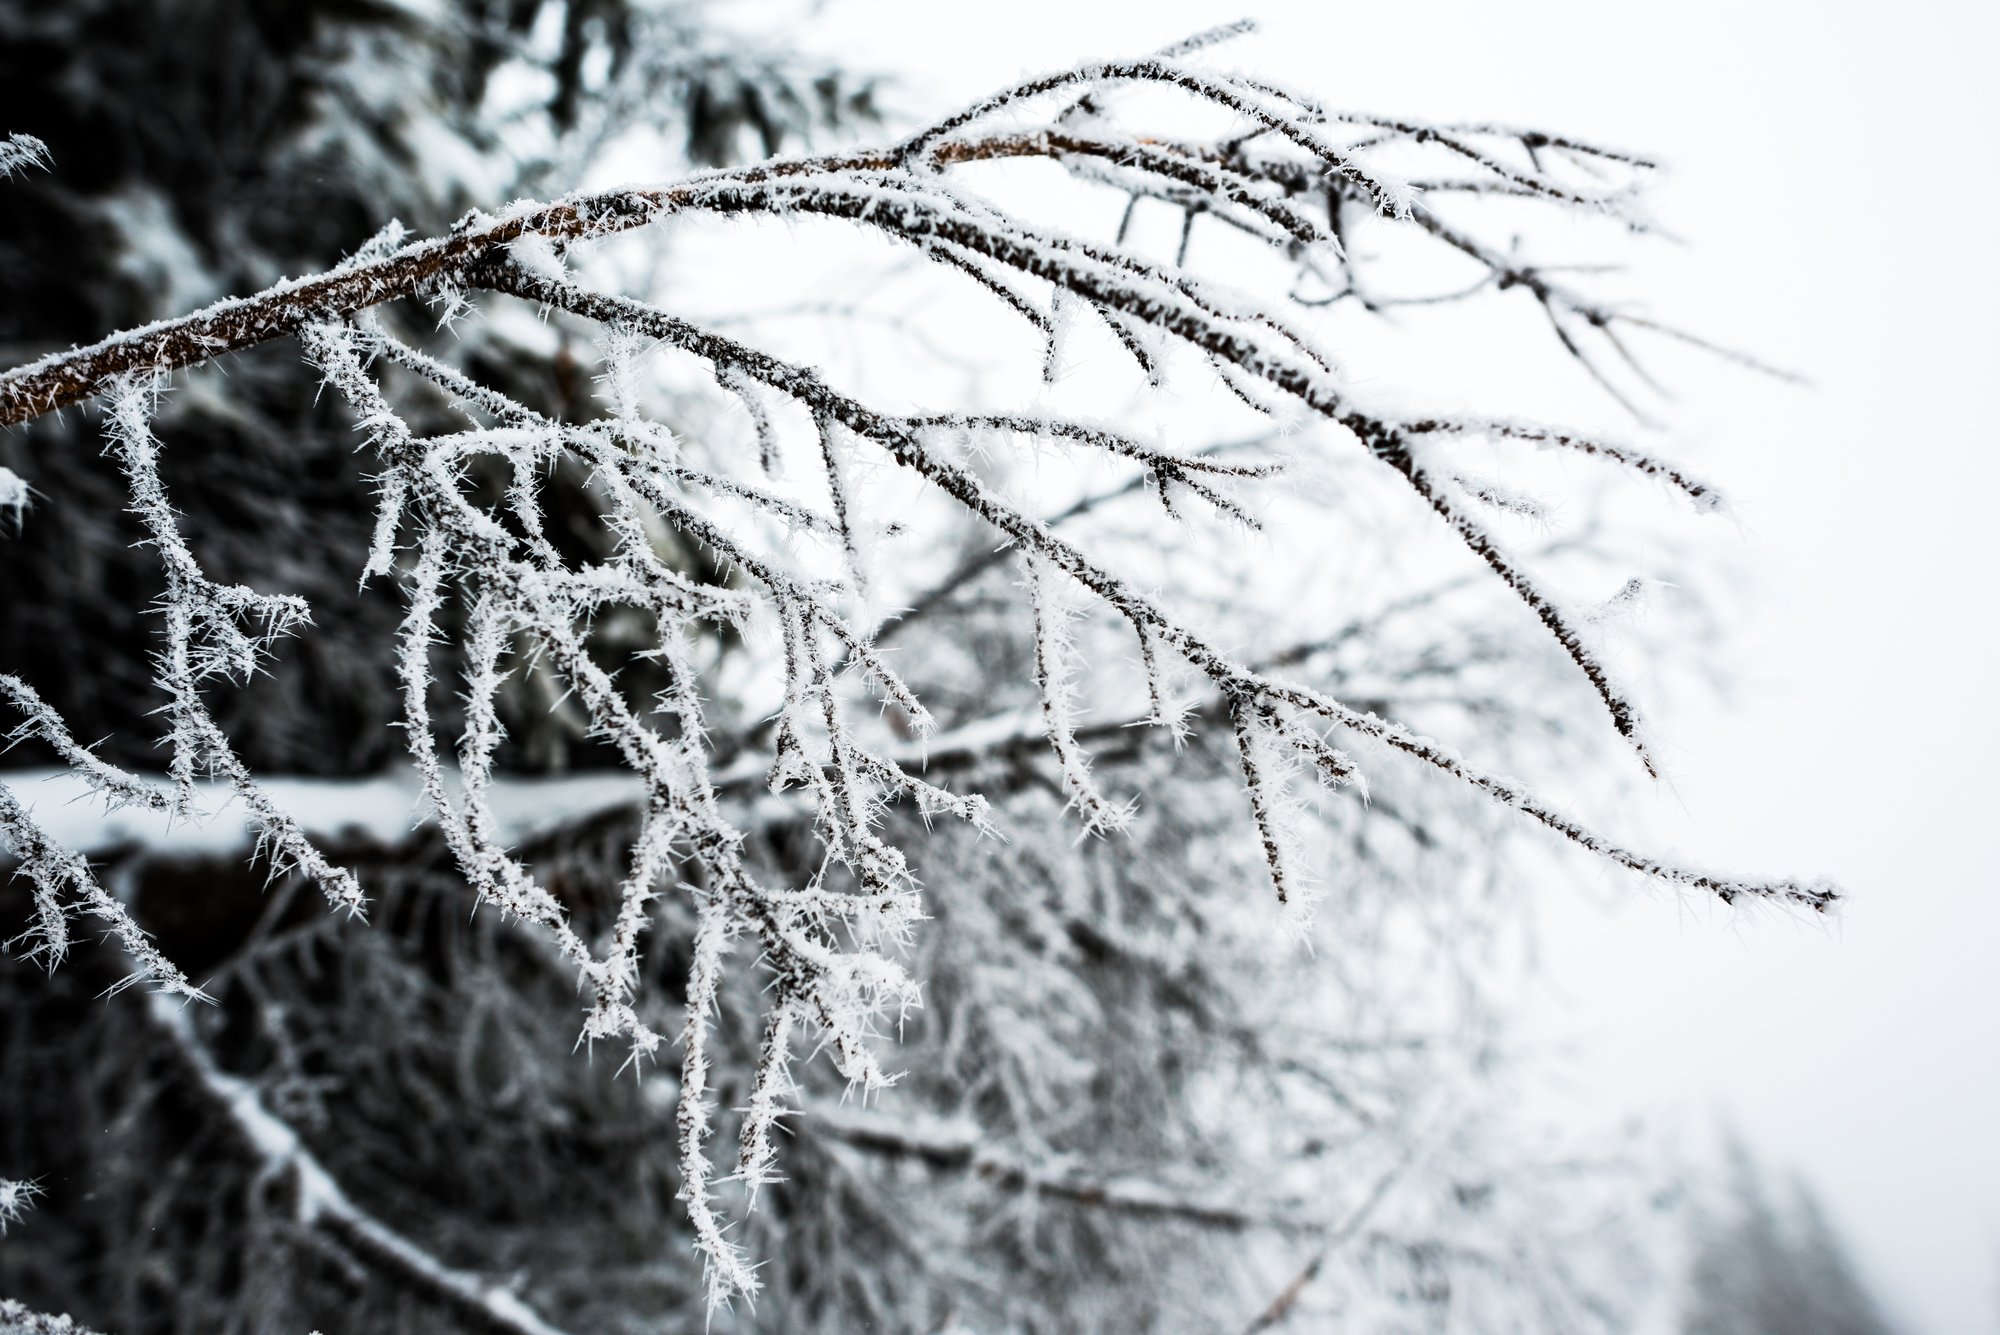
<point x="488" y="580"/>
<point x="319" y="1202"/>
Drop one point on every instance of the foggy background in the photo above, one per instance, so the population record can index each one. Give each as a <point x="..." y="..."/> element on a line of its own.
<point x="1827" y="178"/>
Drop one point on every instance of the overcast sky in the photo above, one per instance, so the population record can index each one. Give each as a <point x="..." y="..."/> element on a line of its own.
<point x="1830" y="179"/>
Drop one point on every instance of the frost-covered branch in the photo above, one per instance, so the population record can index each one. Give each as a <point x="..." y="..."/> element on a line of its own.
<point x="18" y="152"/>
<point x="491" y="585"/>
<point x="16" y="1199"/>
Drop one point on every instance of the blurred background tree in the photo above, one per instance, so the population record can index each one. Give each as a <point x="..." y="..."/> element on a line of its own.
<point x="1767" y="1261"/>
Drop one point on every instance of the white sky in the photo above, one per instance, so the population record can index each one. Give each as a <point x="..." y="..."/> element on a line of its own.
<point x="1829" y="180"/>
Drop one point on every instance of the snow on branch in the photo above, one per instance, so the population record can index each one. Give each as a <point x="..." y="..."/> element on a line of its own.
<point x="319" y="1201"/>
<point x="18" y="1320"/>
<point x="487" y="576"/>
